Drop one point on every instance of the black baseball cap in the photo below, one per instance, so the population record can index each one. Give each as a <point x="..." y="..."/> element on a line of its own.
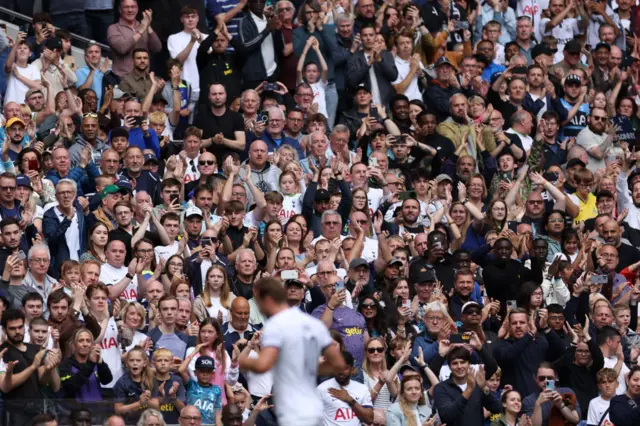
<point x="205" y="363"/>
<point x="575" y="162"/>
<point x="322" y="195"/>
<point x="541" y="49"/>
<point x="573" y="79"/>
<point x="53" y="43"/>
<point x="573" y="46"/>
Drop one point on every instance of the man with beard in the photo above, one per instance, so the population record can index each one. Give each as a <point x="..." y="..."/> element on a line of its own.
<point x="88" y="138"/>
<point x="604" y="77"/>
<point x="144" y="180"/>
<point x="523" y="347"/>
<point x="138" y="81"/>
<point x="573" y="103"/>
<point x="24" y="359"/>
<point x="596" y="138"/>
<point x="408" y="220"/>
<point x="443" y="88"/>
<point x="221" y="127"/>
<point x="345" y="399"/>
<point x="627" y="254"/>
<point x="457" y="128"/>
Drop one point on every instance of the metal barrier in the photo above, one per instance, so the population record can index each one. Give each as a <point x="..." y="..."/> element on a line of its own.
<point x="9" y="16"/>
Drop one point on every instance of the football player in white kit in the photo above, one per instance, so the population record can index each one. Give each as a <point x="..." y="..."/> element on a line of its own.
<point x="292" y="343"/>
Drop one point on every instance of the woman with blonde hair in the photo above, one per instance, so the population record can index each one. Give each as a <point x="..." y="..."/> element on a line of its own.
<point x="411" y="409"/>
<point x="216" y="297"/>
<point x="146" y="418"/>
<point x="382" y="383"/>
<point x="130" y="321"/>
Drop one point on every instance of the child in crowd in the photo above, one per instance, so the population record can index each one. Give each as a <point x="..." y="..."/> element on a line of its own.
<point x="169" y="385"/>
<point x="316" y="79"/>
<point x="201" y="393"/>
<point x="292" y="203"/>
<point x="607" y="379"/>
<point x="134" y="391"/>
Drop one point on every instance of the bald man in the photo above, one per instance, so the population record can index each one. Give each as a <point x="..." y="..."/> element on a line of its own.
<point x="627" y="254"/>
<point x="114" y="421"/>
<point x="238" y="328"/>
<point x="188" y="414"/>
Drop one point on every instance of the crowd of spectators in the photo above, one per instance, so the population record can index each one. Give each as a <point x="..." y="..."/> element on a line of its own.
<point x="452" y="188"/>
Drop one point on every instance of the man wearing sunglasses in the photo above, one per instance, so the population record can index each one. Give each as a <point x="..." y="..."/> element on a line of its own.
<point x="596" y="138"/>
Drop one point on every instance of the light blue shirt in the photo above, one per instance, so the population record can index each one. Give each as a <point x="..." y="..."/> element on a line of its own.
<point x="83" y="73"/>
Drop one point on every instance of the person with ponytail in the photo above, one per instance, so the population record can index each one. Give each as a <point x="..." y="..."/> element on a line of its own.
<point x="134" y="391"/>
<point x="411" y="408"/>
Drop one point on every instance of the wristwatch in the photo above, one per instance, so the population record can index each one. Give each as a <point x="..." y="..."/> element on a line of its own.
<point x="352" y="403"/>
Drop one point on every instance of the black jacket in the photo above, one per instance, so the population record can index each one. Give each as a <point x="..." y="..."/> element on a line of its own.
<point x="218" y="68"/>
<point x="308" y="211"/>
<point x="385" y="70"/>
<point x="74" y="377"/>
<point x="624" y="411"/>
<point x="250" y="46"/>
<point x="581" y="379"/>
<point x="519" y="359"/>
<point x="455" y="410"/>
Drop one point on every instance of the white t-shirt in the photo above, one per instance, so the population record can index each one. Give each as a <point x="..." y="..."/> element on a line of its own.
<point x="597" y="407"/>
<point x="319" y="96"/>
<point x="176" y="44"/>
<point x="258" y="384"/>
<point x="291" y="206"/>
<point x="216" y="306"/>
<point x="110" y="275"/>
<point x="300" y="339"/>
<point x="610" y="362"/>
<point x="17" y="90"/>
<point x="563" y="32"/>
<point x="165" y="252"/>
<point x="338" y="413"/>
<point x="266" y="47"/>
<point x="111" y="353"/>
<point x="191" y="173"/>
<point x="374" y="195"/>
<point x="404" y="67"/>
<point x="72" y="234"/>
<point x="532" y="9"/>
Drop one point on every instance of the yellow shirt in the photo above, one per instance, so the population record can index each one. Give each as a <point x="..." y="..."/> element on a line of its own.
<point x="588" y="207"/>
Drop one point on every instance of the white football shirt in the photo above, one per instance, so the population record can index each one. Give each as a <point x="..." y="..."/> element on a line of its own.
<point x="300" y="339"/>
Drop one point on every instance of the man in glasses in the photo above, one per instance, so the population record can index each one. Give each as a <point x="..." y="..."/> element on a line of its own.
<point x="596" y="138"/>
<point x="273" y="135"/>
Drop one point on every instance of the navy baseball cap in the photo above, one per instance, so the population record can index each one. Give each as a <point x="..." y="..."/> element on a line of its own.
<point x="22" y="180"/>
<point x="205" y="363"/>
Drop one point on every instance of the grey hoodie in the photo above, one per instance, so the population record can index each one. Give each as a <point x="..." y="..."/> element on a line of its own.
<point x="267" y="180"/>
<point x="76" y="149"/>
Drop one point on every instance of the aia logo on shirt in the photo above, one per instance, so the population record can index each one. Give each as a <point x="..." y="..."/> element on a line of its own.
<point x="108" y="343"/>
<point x="129" y="295"/>
<point x="344" y="414"/>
